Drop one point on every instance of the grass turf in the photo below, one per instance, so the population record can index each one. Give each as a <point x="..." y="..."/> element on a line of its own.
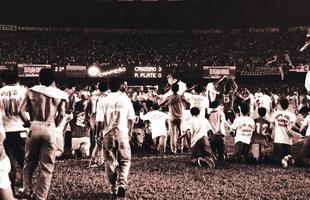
<point x="175" y="177"/>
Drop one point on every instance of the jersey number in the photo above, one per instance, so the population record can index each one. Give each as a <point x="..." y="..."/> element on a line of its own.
<point x="10" y="107"/>
<point x="114" y="118"/>
<point x="226" y="99"/>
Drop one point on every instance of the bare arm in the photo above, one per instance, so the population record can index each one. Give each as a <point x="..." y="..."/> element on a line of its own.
<point x="163" y="103"/>
<point x="240" y="96"/>
<point x="219" y="81"/>
<point x="190" y="89"/>
<point x="272" y="61"/>
<point x="61" y="112"/>
<point x="22" y="109"/>
<point x="235" y="86"/>
<point x="288" y="59"/>
<point x="130" y="127"/>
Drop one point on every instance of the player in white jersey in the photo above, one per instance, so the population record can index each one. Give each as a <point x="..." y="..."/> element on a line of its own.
<point x="5" y="167"/>
<point x="158" y="120"/>
<point x="258" y="98"/>
<point x="213" y="90"/>
<point x="197" y="100"/>
<point x="198" y="130"/>
<point x="282" y="122"/>
<point x="11" y="96"/>
<point x="115" y="117"/>
<point x="172" y="80"/>
<point x="266" y="102"/>
<point x="96" y="141"/>
<point x="243" y="127"/>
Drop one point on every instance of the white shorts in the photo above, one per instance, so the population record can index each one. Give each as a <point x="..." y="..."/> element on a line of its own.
<point x="5" y="168"/>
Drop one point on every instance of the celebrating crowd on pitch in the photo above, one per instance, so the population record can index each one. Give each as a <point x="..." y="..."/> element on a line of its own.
<point x="105" y="123"/>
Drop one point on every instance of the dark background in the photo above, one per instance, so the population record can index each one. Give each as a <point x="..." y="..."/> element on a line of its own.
<point x="156" y="15"/>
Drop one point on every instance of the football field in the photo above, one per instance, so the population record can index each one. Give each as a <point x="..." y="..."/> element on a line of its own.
<point x="175" y="177"/>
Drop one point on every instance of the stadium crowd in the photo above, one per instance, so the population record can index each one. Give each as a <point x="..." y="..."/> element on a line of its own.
<point x="106" y="121"/>
<point x="168" y="49"/>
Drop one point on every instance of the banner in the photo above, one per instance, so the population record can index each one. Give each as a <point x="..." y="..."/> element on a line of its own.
<point x="75" y="71"/>
<point x="300" y="69"/>
<point x="97" y="72"/>
<point x="214" y="72"/>
<point x="147" y="72"/>
<point x="30" y="70"/>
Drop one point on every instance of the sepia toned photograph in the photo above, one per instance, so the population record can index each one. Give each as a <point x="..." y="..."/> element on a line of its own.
<point x="154" y="99"/>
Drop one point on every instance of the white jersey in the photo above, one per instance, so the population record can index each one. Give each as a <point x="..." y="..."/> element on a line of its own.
<point x="258" y="98"/>
<point x="306" y="122"/>
<point x="210" y="93"/>
<point x="114" y="110"/>
<point x="275" y="100"/>
<point x="283" y="120"/>
<point x="199" y="128"/>
<point x="244" y="127"/>
<point x="252" y="103"/>
<point x="307" y="81"/>
<point x="94" y="99"/>
<point x="196" y="100"/>
<point x="11" y="97"/>
<point x="5" y="168"/>
<point x="158" y="122"/>
<point x="266" y="102"/>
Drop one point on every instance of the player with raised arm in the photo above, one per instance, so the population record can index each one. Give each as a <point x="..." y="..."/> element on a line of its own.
<point x="176" y="109"/>
<point x="12" y="95"/>
<point x="197" y="100"/>
<point x="212" y="92"/>
<point x="46" y="105"/>
<point x="307" y="42"/>
<point x="228" y="97"/>
<point x="115" y="118"/>
<point x="174" y="79"/>
<point x="282" y="59"/>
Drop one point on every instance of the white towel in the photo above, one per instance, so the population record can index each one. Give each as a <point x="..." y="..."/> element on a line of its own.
<point x="50" y="91"/>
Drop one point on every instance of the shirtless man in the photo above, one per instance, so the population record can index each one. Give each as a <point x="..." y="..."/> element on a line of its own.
<point x="46" y="105"/>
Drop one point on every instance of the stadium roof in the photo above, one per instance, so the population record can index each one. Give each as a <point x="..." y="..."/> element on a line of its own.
<point x="156" y="14"/>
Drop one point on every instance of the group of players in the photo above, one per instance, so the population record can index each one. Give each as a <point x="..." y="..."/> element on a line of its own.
<point x="106" y="123"/>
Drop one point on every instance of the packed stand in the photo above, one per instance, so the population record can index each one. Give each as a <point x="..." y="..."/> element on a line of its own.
<point x="244" y="49"/>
